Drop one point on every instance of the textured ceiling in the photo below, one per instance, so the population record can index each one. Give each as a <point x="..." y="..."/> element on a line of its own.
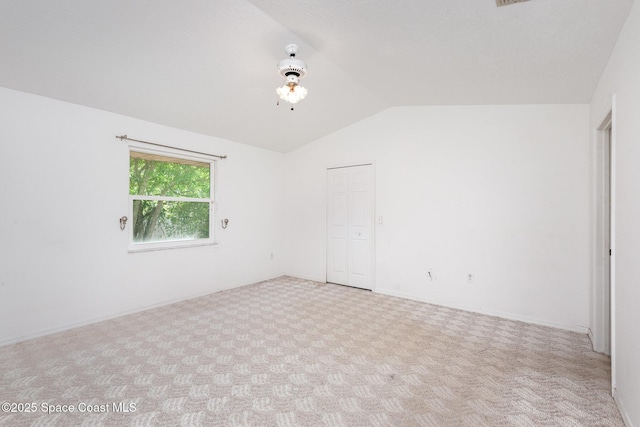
<point x="210" y="66"/>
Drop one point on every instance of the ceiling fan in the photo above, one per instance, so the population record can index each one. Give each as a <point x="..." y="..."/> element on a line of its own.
<point x="292" y="69"/>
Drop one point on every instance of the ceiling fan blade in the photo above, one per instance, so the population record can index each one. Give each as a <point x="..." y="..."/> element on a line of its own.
<point x="508" y="2"/>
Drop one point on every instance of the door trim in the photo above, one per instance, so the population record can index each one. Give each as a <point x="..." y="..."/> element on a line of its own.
<point x="600" y="299"/>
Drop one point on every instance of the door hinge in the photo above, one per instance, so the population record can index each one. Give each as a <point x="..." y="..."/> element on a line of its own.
<point x="609" y="252"/>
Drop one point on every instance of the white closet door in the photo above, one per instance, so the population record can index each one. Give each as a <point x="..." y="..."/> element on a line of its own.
<point x="350" y="226"/>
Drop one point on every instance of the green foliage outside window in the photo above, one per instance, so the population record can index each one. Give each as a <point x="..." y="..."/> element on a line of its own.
<point x="156" y="179"/>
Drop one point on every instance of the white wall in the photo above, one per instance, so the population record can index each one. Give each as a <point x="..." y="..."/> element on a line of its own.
<point x="63" y="187"/>
<point x="622" y="78"/>
<point x="498" y="191"/>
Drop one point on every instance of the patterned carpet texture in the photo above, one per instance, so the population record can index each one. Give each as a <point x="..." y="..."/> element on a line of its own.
<point x="290" y="352"/>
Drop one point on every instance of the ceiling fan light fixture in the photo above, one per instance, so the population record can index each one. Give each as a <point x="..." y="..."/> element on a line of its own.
<point x="292" y="70"/>
<point x="292" y="94"/>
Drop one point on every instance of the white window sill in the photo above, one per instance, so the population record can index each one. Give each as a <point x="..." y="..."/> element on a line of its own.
<point x="149" y="247"/>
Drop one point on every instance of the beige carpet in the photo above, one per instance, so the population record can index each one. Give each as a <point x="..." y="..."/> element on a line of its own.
<point x="289" y="352"/>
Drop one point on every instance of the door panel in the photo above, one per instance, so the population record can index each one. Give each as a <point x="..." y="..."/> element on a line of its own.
<point x="359" y="209"/>
<point x="337" y="228"/>
<point x="359" y="260"/>
<point x="339" y="218"/>
<point x="339" y="255"/>
<point x="350" y="226"/>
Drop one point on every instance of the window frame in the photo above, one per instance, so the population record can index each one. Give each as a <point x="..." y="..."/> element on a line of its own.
<point x="172" y="244"/>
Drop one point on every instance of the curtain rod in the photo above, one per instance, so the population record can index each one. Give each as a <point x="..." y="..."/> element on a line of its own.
<point x="123" y="137"/>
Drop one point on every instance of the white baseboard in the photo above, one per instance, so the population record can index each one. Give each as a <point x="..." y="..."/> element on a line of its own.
<point x="99" y="319"/>
<point x="622" y="409"/>
<point x="509" y="316"/>
<point x="590" y="335"/>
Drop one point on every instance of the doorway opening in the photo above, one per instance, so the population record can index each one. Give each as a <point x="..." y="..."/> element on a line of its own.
<point x="604" y="301"/>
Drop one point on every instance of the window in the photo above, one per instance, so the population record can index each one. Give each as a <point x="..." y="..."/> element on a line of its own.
<point x="171" y="200"/>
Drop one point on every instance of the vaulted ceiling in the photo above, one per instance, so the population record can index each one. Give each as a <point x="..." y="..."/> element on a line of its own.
<point x="209" y="66"/>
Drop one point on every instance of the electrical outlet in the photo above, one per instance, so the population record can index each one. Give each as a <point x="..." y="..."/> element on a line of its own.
<point x="470" y="277"/>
